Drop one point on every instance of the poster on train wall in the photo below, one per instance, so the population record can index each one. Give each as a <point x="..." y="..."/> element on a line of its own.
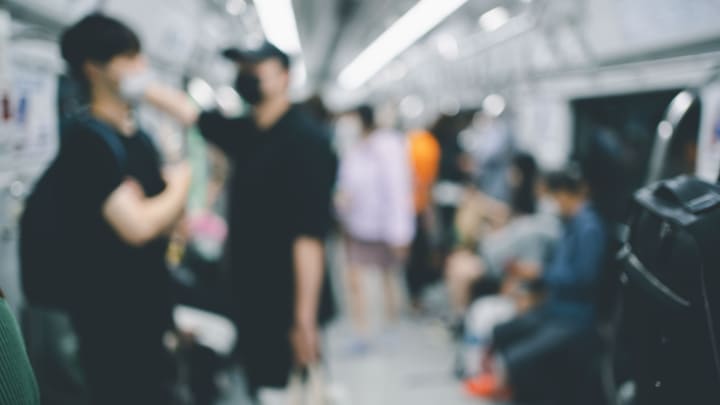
<point x="708" y="164"/>
<point x="29" y="105"/>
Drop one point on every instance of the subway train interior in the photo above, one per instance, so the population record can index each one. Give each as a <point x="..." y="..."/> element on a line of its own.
<point x="366" y="202"/>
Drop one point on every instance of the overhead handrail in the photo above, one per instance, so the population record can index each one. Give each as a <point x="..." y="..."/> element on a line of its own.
<point x="666" y="131"/>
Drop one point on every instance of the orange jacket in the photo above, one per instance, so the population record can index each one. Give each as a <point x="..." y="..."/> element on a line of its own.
<point x="425" y="161"/>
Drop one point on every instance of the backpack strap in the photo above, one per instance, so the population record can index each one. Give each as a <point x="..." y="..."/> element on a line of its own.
<point x="110" y="137"/>
<point x="636" y="271"/>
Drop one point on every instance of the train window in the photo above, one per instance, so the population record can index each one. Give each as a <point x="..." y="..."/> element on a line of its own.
<point x="614" y="136"/>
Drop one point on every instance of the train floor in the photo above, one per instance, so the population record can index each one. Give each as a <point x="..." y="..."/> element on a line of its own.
<point x="408" y="362"/>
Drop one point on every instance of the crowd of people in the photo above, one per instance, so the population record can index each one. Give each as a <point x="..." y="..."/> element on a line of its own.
<point x="519" y="249"/>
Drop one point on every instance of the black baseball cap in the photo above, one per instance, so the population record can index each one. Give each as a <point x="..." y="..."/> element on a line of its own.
<point x="261" y="53"/>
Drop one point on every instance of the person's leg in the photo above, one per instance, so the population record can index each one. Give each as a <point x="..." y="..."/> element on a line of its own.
<point x="124" y="363"/>
<point x="533" y="364"/>
<point x="512" y="341"/>
<point x="392" y="301"/>
<point x="463" y="269"/>
<point x="267" y="358"/>
<point x="119" y="378"/>
<point x="508" y="333"/>
<point x="356" y="297"/>
<point x="203" y="365"/>
<point x="417" y="271"/>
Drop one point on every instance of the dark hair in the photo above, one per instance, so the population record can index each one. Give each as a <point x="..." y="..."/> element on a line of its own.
<point x="367" y="116"/>
<point x="523" y="195"/>
<point x="569" y="180"/>
<point x="316" y="106"/>
<point x="96" y="38"/>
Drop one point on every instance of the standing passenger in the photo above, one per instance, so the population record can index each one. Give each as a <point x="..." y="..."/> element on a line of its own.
<point x="279" y="214"/>
<point x="425" y="160"/>
<point x="120" y="206"/>
<point x="376" y="211"/>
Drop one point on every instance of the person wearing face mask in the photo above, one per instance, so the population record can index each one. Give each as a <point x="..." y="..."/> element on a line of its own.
<point x="280" y="212"/>
<point x="541" y="352"/>
<point x="119" y="205"/>
<point x="516" y="251"/>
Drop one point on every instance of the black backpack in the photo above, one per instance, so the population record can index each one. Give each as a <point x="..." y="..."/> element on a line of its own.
<point x="671" y="293"/>
<point x="47" y="244"/>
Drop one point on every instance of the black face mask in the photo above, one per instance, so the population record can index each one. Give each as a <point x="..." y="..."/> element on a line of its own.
<point x="248" y="86"/>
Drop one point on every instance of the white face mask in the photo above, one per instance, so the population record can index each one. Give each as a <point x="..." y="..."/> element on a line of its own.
<point x="133" y="85"/>
<point x="548" y="205"/>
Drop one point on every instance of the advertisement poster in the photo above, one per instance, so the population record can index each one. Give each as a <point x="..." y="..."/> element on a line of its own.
<point x="708" y="164"/>
<point x="29" y="125"/>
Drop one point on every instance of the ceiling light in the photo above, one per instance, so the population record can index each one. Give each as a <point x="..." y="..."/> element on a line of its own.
<point x="447" y="46"/>
<point x="411" y="107"/>
<point x="418" y="21"/>
<point x="494" y="19"/>
<point x="278" y="22"/>
<point x="450" y="106"/>
<point x="235" y="7"/>
<point x="299" y="74"/>
<point x="494" y="105"/>
<point x="277" y="19"/>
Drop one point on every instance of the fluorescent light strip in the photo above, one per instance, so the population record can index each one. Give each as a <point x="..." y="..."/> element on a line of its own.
<point x="277" y="18"/>
<point x="494" y="19"/>
<point x="278" y="21"/>
<point x="418" y="21"/>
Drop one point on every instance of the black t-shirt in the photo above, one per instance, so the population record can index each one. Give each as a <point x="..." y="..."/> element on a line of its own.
<point x="280" y="190"/>
<point x="120" y="283"/>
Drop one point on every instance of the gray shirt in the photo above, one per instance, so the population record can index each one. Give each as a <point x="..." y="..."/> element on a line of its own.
<point x="529" y="238"/>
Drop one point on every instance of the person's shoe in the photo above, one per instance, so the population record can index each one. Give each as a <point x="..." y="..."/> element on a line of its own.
<point x="487" y="386"/>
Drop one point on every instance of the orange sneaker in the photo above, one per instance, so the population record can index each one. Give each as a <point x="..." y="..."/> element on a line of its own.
<point x="486" y="386"/>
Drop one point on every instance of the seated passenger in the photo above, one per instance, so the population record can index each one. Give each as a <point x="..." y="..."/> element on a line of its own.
<point x="518" y="249"/>
<point x="121" y="206"/>
<point x="530" y="349"/>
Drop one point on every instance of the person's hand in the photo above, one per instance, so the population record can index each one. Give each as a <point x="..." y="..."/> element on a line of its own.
<point x="178" y="174"/>
<point x="305" y="341"/>
<point x="177" y="340"/>
<point x="523" y="270"/>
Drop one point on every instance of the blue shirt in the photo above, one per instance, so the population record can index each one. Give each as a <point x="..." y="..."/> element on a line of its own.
<point x="578" y="260"/>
